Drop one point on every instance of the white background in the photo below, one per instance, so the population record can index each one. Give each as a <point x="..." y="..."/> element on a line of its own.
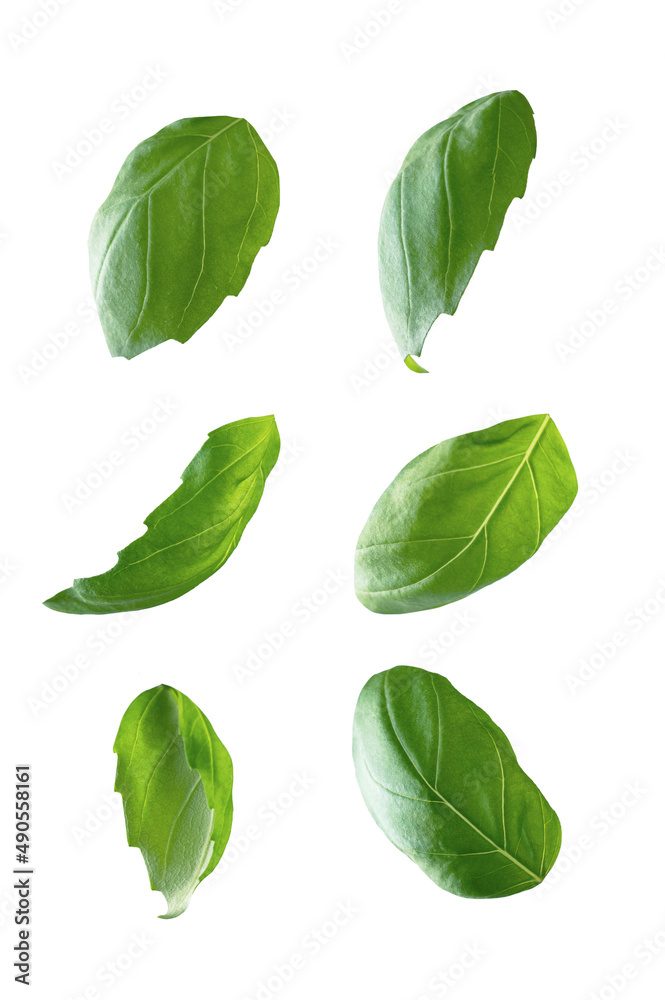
<point x="350" y="417"/>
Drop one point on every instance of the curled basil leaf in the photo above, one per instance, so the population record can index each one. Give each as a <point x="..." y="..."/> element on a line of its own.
<point x="175" y="777"/>
<point x="446" y="205"/>
<point x="464" y="514"/>
<point x="442" y="781"/>
<point x="188" y="213"/>
<point x="193" y="532"/>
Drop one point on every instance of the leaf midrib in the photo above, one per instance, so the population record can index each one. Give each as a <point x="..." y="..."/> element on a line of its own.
<point x="445" y="801"/>
<point x="473" y="538"/>
<point x="244" y="453"/>
<point x="139" y="197"/>
<point x="236" y="515"/>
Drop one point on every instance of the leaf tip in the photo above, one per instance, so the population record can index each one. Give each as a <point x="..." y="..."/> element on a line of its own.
<point x="57" y="602"/>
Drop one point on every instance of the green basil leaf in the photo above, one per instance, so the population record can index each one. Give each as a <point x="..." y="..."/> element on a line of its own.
<point x="446" y="205"/>
<point x="192" y="533"/>
<point x="442" y="781"/>
<point x="188" y="213"/>
<point x="464" y="514"/>
<point x="175" y="777"/>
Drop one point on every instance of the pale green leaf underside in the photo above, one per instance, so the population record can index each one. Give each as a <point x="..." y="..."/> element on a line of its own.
<point x="443" y="783"/>
<point x="193" y="532"/>
<point x="446" y="206"/>
<point x="175" y="777"/>
<point x="464" y="514"/>
<point x="187" y="215"/>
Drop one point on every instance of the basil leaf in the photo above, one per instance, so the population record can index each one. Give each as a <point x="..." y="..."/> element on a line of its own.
<point x="175" y="777"/>
<point x="442" y="781"/>
<point x="188" y="213"/>
<point x="192" y="533"/>
<point x="446" y="205"/>
<point x="464" y="514"/>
